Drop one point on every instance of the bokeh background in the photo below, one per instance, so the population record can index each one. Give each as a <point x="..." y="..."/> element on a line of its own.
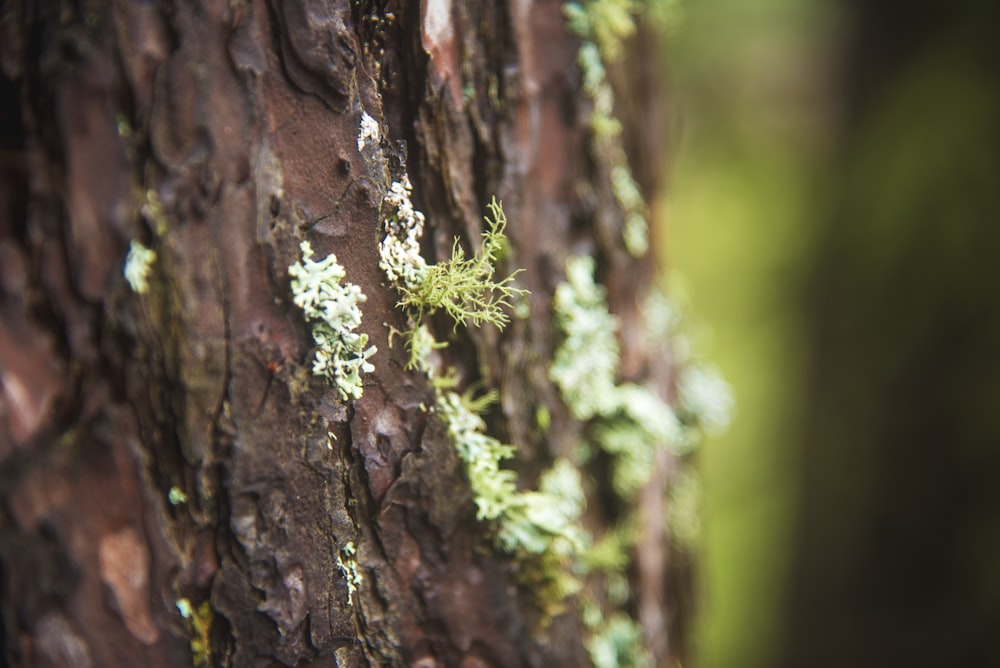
<point x="834" y="225"/>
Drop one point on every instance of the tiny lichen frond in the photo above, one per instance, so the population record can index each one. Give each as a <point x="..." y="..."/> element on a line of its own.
<point x="153" y="211"/>
<point x="341" y="355"/>
<point x="138" y="265"/>
<point x="369" y="131"/>
<point x="348" y="565"/>
<point x="464" y="287"/>
<point x="492" y="486"/>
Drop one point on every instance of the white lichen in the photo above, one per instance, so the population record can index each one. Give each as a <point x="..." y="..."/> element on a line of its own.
<point x="369" y="131"/>
<point x="348" y="565"/>
<point x="138" y="265"/>
<point x="341" y="355"/>
<point x="399" y="250"/>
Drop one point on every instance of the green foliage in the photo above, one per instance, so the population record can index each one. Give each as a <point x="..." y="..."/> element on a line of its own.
<point x="341" y="355"/>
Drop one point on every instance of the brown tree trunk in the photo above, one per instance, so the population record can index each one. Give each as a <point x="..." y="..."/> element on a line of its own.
<point x="167" y="449"/>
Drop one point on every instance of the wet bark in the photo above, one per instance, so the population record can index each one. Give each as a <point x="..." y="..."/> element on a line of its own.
<point x="221" y="134"/>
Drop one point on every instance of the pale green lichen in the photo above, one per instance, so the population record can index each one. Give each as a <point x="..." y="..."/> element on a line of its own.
<point x="540" y="527"/>
<point x="138" y="265"/>
<point x="341" y="356"/>
<point x="348" y="565"/>
<point x="585" y="364"/>
<point x="603" y="27"/>
<point x="634" y="421"/>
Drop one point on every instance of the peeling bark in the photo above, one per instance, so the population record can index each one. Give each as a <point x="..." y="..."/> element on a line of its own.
<point x="220" y="135"/>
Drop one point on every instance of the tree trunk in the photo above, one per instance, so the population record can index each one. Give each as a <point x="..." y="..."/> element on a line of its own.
<point x="177" y="487"/>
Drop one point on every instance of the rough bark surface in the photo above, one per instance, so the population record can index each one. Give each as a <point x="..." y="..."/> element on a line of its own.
<point x="220" y="134"/>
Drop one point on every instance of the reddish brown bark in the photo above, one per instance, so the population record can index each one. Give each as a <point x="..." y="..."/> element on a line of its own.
<point x="241" y="119"/>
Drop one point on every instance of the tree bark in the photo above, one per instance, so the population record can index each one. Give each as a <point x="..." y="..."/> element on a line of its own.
<point x="173" y="446"/>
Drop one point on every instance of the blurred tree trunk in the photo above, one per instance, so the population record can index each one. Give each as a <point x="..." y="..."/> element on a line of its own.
<point x="172" y="446"/>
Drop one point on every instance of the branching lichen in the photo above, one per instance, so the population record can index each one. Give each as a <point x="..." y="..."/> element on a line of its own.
<point x="466" y="288"/>
<point x="341" y="355"/>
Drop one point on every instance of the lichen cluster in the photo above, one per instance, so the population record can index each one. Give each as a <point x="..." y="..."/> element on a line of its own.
<point x="539" y="526"/>
<point x="603" y="26"/>
<point x="348" y="566"/>
<point x="632" y="420"/>
<point x="466" y="288"/>
<point x="341" y="356"/>
<point x="630" y="423"/>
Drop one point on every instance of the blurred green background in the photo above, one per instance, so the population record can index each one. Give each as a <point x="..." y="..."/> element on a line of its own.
<point x="834" y="224"/>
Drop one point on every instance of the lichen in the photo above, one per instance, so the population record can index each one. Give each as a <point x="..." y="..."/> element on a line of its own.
<point x="199" y="623"/>
<point x="466" y="288"/>
<point x="632" y="419"/>
<point x="540" y="527"/>
<point x="348" y="565"/>
<point x="617" y="643"/>
<point x="138" y="265"/>
<point x="631" y="423"/>
<point x="176" y="496"/>
<point x="369" y="131"/>
<point x="603" y="26"/>
<point x="341" y="356"/>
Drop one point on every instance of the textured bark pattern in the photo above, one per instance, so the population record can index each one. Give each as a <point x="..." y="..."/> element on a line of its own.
<point x="241" y="119"/>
